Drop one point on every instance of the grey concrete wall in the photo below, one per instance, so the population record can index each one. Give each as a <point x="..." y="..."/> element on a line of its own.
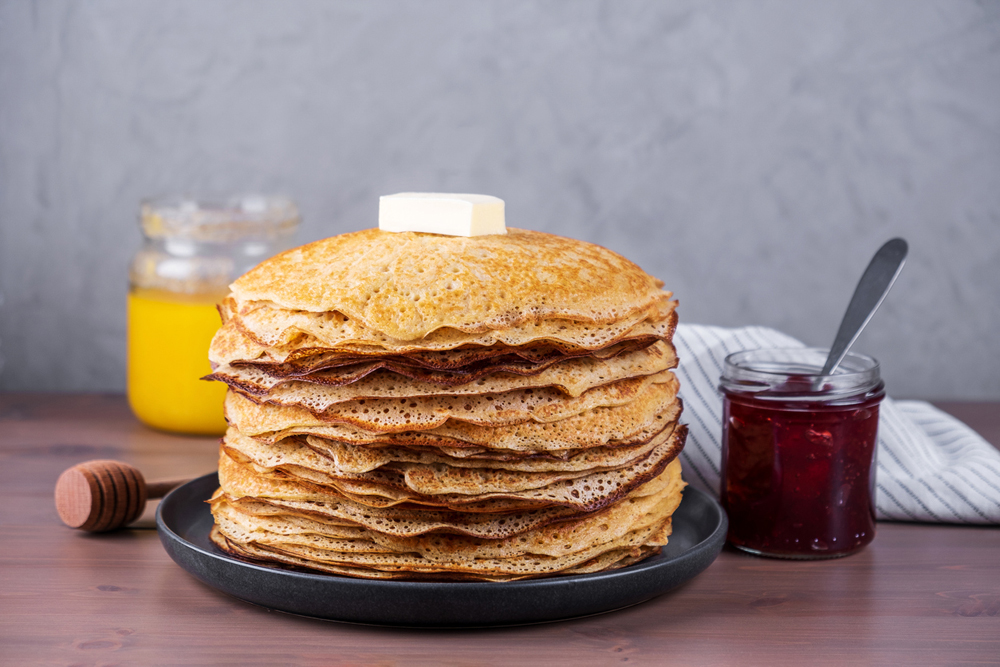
<point x="752" y="154"/>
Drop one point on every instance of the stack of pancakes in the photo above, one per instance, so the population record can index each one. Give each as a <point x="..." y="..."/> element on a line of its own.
<point x="422" y="406"/>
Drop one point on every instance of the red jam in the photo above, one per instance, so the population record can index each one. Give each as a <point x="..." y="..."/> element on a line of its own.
<point x="798" y="468"/>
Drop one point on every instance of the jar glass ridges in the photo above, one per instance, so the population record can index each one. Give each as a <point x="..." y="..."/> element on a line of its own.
<point x="798" y="452"/>
<point x="192" y="250"/>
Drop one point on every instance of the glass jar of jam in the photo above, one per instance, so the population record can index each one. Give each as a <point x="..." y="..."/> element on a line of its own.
<point x="798" y="452"/>
<point x="191" y="251"/>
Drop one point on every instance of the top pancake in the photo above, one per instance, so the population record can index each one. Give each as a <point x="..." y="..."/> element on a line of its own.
<point x="407" y="285"/>
<point x="259" y="332"/>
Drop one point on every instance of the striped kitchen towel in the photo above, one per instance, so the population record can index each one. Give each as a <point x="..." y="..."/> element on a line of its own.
<point x="931" y="467"/>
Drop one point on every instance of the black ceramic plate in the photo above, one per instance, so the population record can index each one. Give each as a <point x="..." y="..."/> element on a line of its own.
<point x="183" y="521"/>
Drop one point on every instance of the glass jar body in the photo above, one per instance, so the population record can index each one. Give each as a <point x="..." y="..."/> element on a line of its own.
<point x="191" y="252"/>
<point x="798" y="453"/>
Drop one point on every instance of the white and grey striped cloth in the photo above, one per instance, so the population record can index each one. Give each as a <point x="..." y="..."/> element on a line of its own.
<point x="931" y="467"/>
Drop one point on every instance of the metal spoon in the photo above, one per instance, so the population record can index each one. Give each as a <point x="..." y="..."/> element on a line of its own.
<point x="868" y="295"/>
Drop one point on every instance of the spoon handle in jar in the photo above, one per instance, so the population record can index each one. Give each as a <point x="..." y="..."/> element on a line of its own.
<point x="868" y="295"/>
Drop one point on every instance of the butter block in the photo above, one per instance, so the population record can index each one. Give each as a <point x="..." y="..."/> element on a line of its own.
<point x="441" y="213"/>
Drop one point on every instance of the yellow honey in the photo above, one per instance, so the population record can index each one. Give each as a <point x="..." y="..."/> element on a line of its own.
<point x="168" y="338"/>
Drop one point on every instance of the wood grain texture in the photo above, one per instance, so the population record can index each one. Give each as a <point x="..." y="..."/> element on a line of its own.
<point x="920" y="594"/>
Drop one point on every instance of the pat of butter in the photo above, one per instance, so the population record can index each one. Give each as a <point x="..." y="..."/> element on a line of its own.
<point x="436" y="213"/>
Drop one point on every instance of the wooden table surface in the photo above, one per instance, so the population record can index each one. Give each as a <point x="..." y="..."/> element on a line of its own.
<point x="920" y="594"/>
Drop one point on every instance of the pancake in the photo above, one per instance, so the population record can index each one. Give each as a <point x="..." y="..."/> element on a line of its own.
<point x="607" y="537"/>
<point x="251" y="330"/>
<point x="341" y="513"/>
<point x="389" y="415"/>
<point x="407" y="285"/>
<point x="340" y="369"/>
<point x="386" y="530"/>
<point x="524" y="360"/>
<point x="324" y="388"/>
<point x="607" y="560"/>
<point x="334" y="456"/>
<point x="350" y="458"/>
<point x="414" y="486"/>
<point x="636" y="421"/>
<point x="421" y="468"/>
<point x="535" y="565"/>
<point x="445" y="549"/>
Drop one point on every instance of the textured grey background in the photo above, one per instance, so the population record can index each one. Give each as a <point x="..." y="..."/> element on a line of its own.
<point x="751" y="154"/>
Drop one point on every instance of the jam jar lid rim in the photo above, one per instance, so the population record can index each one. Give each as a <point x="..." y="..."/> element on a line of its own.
<point x="769" y="383"/>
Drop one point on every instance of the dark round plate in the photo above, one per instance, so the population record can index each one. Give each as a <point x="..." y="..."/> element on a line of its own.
<point x="183" y="521"/>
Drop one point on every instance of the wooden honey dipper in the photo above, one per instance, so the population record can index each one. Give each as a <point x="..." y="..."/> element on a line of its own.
<point x="103" y="495"/>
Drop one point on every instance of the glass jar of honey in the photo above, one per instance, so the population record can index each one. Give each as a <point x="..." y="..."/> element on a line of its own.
<point x="191" y="251"/>
<point x="798" y="452"/>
